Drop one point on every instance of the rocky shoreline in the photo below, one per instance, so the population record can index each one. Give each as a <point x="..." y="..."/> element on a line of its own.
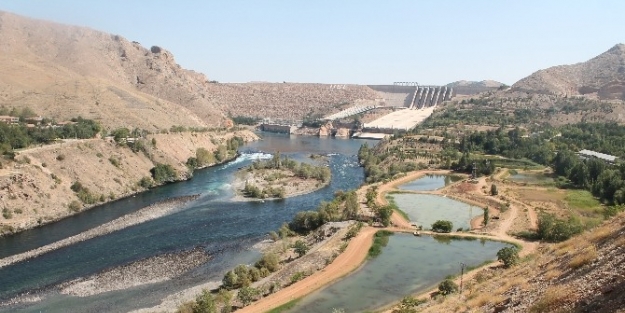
<point x="148" y="213"/>
<point x="146" y="271"/>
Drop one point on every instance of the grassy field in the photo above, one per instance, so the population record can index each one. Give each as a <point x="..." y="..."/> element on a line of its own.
<point x="285" y="307"/>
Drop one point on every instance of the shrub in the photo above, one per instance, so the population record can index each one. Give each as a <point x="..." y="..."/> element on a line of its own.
<point x="509" y="256"/>
<point x="163" y="173"/>
<point x="300" y="248"/>
<point x="269" y="261"/>
<point x="145" y="182"/>
<point x="442" y="226"/>
<point x="7" y="214"/>
<point x="114" y="161"/>
<point x="247" y="294"/>
<point x="447" y="286"/>
<point x="552" y="229"/>
<point x="493" y="190"/>
<point x="75" y="206"/>
<point x="60" y="157"/>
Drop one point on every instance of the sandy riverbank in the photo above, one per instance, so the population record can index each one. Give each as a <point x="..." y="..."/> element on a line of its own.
<point x="151" y="212"/>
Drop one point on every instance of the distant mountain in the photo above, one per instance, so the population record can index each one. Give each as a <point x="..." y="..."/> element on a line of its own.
<point x="603" y="75"/>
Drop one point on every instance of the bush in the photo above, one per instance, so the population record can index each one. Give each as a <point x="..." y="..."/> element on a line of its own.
<point x="114" y="161"/>
<point x="300" y="248"/>
<point x="447" y="286"/>
<point x="509" y="256"/>
<point x="145" y="182"/>
<point x="162" y="173"/>
<point x="552" y="229"/>
<point x="75" y="206"/>
<point x="247" y="295"/>
<point x="269" y="261"/>
<point x="442" y="226"/>
<point x="60" y="157"/>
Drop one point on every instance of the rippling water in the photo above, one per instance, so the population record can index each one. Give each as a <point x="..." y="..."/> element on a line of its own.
<point x="226" y="229"/>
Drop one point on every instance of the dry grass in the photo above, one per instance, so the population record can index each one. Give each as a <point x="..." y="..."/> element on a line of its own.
<point x="483" y="299"/>
<point x="602" y="233"/>
<point x="554" y="297"/>
<point x="620" y="242"/>
<point x="585" y="256"/>
<point x="553" y="273"/>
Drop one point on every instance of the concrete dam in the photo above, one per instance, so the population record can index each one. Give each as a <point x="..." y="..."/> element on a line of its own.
<point x="415" y="96"/>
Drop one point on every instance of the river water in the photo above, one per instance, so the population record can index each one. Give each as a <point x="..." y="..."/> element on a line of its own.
<point x="226" y="230"/>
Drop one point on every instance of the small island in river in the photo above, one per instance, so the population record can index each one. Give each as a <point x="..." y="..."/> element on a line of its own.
<point x="280" y="177"/>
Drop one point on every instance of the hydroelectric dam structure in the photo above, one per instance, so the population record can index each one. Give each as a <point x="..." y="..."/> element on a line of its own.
<point x="413" y="102"/>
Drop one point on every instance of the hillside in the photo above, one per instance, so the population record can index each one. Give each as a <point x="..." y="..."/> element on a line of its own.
<point x="37" y="189"/>
<point x="603" y="76"/>
<point x="583" y="274"/>
<point x="63" y="71"/>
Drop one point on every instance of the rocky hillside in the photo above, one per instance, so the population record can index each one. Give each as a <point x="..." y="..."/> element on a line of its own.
<point x="583" y="274"/>
<point x="63" y="71"/>
<point x="603" y="76"/>
<point x="38" y="188"/>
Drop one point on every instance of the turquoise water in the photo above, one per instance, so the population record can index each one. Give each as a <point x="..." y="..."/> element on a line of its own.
<point x="407" y="265"/>
<point x="225" y="229"/>
<point x="427" y="209"/>
<point x="429" y="182"/>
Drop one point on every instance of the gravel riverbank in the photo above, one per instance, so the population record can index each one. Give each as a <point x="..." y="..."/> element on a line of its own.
<point x="151" y="270"/>
<point x="151" y="212"/>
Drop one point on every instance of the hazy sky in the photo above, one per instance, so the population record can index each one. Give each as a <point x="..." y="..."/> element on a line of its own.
<point x="363" y="42"/>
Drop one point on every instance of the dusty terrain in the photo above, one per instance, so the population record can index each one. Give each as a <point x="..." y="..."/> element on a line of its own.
<point x="36" y="188"/>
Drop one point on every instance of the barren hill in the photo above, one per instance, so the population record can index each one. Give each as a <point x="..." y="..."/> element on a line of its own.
<point x="603" y="75"/>
<point x="63" y="71"/>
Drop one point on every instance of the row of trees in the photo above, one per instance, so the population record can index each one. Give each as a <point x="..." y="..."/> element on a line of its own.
<point x="344" y="206"/>
<point x="20" y="136"/>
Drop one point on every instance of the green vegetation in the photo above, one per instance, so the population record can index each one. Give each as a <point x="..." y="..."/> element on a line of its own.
<point x="509" y="256"/>
<point x="379" y="241"/>
<point x="344" y="206"/>
<point x="247" y="295"/>
<point x="163" y="173"/>
<point x="84" y="194"/>
<point x="408" y="305"/>
<point x="371" y="159"/>
<point x="245" y="120"/>
<point x="447" y="287"/>
<point x="299" y="169"/>
<point x="300" y="247"/>
<point x="486" y="216"/>
<point x="20" y="136"/>
<point x="442" y="226"/>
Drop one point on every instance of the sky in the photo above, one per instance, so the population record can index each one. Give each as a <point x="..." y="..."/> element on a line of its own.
<point x="353" y="42"/>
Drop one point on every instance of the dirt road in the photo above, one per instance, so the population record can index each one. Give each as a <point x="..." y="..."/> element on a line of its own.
<point x="344" y="264"/>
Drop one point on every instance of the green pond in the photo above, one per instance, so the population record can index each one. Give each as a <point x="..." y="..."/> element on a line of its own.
<point x="426" y="209"/>
<point x="531" y="178"/>
<point x="407" y="265"/>
<point x="429" y="182"/>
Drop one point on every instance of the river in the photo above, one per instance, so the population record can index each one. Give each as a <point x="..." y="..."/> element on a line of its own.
<point x="226" y="230"/>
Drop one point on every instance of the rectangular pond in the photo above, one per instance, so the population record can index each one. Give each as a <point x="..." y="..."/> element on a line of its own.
<point x="407" y="265"/>
<point x="429" y="182"/>
<point x="426" y="209"/>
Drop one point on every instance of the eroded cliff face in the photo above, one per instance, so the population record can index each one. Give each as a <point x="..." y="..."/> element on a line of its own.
<point x="36" y="188"/>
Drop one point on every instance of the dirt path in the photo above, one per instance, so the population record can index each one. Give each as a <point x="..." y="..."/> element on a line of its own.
<point x="344" y="264"/>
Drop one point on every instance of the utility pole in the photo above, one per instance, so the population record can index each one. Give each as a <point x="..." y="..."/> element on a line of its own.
<point x="462" y="265"/>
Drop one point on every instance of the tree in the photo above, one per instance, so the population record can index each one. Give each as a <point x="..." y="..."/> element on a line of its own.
<point x="447" y="286"/>
<point x="230" y="281"/>
<point x="493" y="190"/>
<point x="485" y="222"/>
<point x="205" y="303"/>
<point x="243" y="275"/>
<point x="225" y="297"/>
<point x="384" y="214"/>
<point x="509" y="256"/>
<point x="269" y="261"/>
<point x="442" y="226"/>
<point x="247" y="294"/>
<point x="301" y="248"/>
